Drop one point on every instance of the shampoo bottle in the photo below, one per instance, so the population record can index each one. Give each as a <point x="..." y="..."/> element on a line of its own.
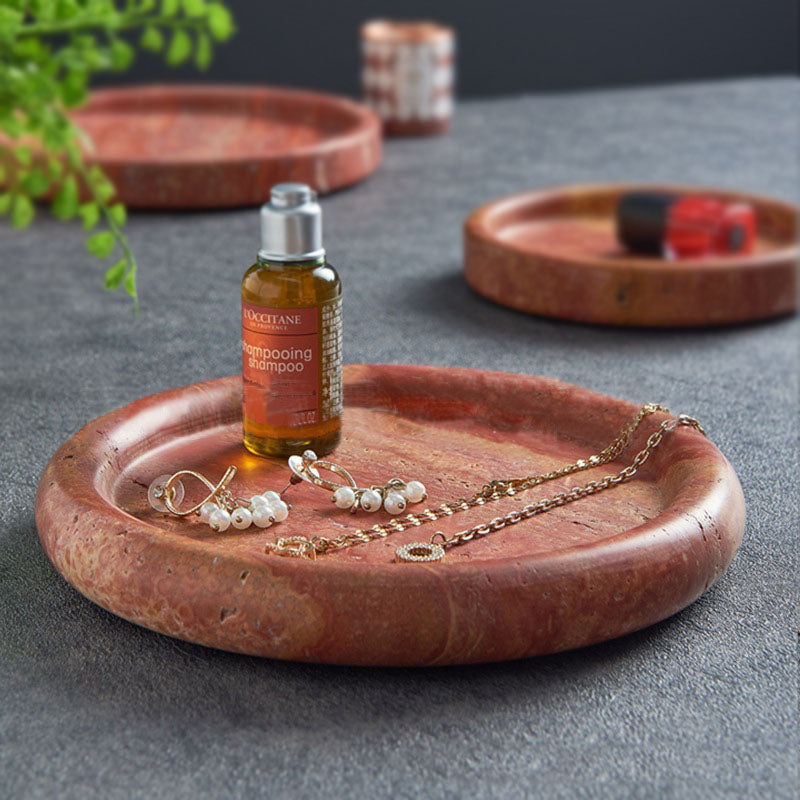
<point x="291" y="332"/>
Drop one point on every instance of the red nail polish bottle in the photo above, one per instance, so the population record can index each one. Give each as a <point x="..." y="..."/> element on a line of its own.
<point x="687" y="226"/>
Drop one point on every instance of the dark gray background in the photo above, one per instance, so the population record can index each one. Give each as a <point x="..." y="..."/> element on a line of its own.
<point x="510" y="46"/>
<point x="702" y="706"/>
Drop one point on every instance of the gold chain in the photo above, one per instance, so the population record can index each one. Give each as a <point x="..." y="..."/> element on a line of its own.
<point x="494" y="490"/>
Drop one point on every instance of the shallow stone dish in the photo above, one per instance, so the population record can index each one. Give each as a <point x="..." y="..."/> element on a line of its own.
<point x="587" y="572"/>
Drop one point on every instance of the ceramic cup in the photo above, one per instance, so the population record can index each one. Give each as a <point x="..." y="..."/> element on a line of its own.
<point x="408" y="75"/>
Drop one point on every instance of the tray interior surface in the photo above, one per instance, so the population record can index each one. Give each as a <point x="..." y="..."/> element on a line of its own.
<point x="594" y="236"/>
<point x="582" y="226"/>
<point x="196" y="123"/>
<point x="453" y="460"/>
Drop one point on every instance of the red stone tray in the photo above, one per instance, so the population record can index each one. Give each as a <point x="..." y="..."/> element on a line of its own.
<point x="587" y="572"/>
<point x="554" y="252"/>
<point x="211" y="146"/>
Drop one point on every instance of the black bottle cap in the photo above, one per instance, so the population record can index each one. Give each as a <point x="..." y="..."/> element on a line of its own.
<point x="642" y="221"/>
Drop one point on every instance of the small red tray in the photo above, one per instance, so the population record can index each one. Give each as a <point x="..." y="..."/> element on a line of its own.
<point x="554" y="252"/>
<point x="595" y="569"/>
<point x="211" y="146"/>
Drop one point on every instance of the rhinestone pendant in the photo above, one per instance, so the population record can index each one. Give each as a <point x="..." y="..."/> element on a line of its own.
<point x="420" y="551"/>
<point x="157" y="492"/>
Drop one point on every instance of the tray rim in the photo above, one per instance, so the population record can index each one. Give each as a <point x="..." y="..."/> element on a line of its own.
<point x="476" y="225"/>
<point x="366" y="125"/>
<point x="553" y="564"/>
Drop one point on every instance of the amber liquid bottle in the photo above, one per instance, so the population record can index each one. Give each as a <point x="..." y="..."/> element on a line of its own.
<point x="291" y="332"/>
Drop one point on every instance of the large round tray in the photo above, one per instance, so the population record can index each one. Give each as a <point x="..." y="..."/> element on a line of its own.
<point x="595" y="569"/>
<point x="211" y="146"/>
<point x="554" y="252"/>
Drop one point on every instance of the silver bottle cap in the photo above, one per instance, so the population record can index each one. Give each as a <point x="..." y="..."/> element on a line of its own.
<point x="291" y="224"/>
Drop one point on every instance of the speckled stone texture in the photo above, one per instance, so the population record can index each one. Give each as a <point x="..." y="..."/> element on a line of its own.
<point x="703" y="705"/>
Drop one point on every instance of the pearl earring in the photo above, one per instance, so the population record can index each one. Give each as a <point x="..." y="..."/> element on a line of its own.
<point x="393" y="496"/>
<point x="220" y="509"/>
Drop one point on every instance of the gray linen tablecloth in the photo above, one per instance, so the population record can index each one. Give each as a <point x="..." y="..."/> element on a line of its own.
<point x="703" y="705"/>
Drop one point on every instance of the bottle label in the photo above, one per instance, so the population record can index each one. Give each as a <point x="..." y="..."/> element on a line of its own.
<point x="280" y="365"/>
<point x="281" y="374"/>
<point x="331" y="341"/>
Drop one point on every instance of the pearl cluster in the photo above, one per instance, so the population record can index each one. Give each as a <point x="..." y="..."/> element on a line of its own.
<point x="394" y="497"/>
<point x="261" y="510"/>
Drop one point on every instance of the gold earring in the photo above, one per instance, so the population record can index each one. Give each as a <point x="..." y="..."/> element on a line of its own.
<point x="220" y="509"/>
<point x="393" y="496"/>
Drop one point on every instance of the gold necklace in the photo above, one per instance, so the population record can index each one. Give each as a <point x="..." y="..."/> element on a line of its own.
<point x="434" y="550"/>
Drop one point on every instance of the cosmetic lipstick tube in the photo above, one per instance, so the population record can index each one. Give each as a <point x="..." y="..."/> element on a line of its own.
<point x="687" y="226"/>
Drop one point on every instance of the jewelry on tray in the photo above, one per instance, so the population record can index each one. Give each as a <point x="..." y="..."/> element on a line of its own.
<point x="220" y="509"/>
<point x="394" y="495"/>
<point x="435" y="548"/>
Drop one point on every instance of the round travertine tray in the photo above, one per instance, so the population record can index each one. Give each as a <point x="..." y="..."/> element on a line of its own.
<point x="587" y="572"/>
<point x="212" y="146"/>
<point x="554" y="252"/>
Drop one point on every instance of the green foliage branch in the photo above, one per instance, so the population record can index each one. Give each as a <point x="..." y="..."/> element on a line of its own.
<point x="49" y="50"/>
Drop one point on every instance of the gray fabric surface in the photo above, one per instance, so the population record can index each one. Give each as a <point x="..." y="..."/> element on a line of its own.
<point x="703" y="705"/>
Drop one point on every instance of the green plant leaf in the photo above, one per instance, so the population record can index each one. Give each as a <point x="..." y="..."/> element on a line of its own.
<point x="11" y="124"/>
<point x="90" y="214"/>
<point x="204" y="51"/>
<point x="31" y="49"/>
<point x="73" y="87"/>
<point x="10" y="22"/>
<point x="121" y="55"/>
<point x="194" y="8"/>
<point x="54" y="168"/>
<point x="66" y="9"/>
<point x="73" y="152"/>
<point x="55" y="136"/>
<point x="65" y="203"/>
<point x="85" y="41"/>
<point x="180" y="48"/>
<point x="115" y="274"/>
<point x="130" y="281"/>
<point x="101" y="245"/>
<point x="45" y="10"/>
<point x="101" y="185"/>
<point x="220" y="22"/>
<point x="152" y="39"/>
<point x="5" y="202"/>
<point x="35" y="183"/>
<point x="23" y="154"/>
<point x="97" y="58"/>
<point x="22" y="211"/>
<point x="118" y="213"/>
<point x="169" y="8"/>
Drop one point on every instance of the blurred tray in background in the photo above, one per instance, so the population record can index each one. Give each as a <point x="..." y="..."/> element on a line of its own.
<point x="554" y="252"/>
<point x="212" y="146"/>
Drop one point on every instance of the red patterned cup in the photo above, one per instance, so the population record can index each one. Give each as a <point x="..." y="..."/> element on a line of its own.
<point x="408" y="75"/>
